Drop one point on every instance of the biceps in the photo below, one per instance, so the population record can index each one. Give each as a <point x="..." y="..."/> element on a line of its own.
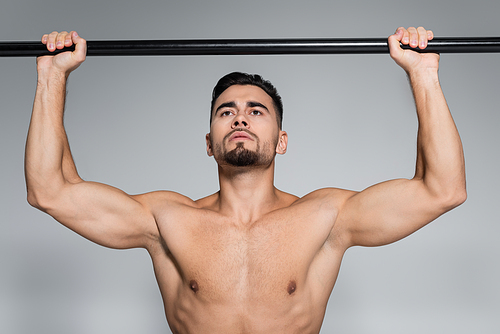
<point x="388" y="212"/>
<point x="103" y="214"/>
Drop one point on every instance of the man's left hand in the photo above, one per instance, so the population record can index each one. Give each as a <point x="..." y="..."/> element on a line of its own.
<point x="409" y="60"/>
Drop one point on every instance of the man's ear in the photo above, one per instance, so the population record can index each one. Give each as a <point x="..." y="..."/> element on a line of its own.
<point x="209" y="145"/>
<point x="282" y="143"/>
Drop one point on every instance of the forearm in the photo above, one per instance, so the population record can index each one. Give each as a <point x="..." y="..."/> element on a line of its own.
<point x="440" y="159"/>
<point x="48" y="162"/>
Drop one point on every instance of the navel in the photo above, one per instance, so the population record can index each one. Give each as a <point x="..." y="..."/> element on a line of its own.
<point x="292" y="286"/>
<point x="194" y="286"/>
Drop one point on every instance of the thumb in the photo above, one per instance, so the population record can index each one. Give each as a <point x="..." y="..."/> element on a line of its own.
<point x="80" y="52"/>
<point x="394" y="47"/>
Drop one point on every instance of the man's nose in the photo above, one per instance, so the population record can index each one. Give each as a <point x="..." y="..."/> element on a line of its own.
<point x="240" y="121"/>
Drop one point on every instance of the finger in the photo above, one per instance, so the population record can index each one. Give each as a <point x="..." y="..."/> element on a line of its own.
<point x="406" y="37"/>
<point x="413" y="37"/>
<point x="430" y="35"/>
<point x="44" y="38"/>
<point x="51" y="41"/>
<point x="422" y="37"/>
<point x="60" y="39"/>
<point x="68" y="41"/>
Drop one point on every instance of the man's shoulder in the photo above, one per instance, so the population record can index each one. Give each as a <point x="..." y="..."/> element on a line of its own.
<point x="207" y="202"/>
<point x="163" y="198"/>
<point x="330" y="195"/>
<point x="329" y="199"/>
<point x="323" y="194"/>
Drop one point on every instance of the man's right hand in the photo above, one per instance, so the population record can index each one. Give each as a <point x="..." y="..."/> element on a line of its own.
<point x="65" y="62"/>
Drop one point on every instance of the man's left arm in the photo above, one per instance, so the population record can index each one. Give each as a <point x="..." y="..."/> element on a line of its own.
<point x="392" y="210"/>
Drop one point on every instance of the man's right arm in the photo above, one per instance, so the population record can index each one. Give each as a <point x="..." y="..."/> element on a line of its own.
<point x="99" y="212"/>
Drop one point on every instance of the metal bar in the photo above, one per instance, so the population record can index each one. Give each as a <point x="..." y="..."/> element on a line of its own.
<point x="252" y="47"/>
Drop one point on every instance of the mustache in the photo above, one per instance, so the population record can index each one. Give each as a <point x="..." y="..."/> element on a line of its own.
<point x="237" y="130"/>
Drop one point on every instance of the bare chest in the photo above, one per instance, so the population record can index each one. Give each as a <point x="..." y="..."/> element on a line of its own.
<point x="266" y="260"/>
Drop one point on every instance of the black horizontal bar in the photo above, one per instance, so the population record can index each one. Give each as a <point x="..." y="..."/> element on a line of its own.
<point x="252" y="47"/>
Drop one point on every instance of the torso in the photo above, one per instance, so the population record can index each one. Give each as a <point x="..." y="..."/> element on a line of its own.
<point x="274" y="275"/>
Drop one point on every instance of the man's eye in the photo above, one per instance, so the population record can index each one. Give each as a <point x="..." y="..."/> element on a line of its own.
<point x="225" y="113"/>
<point x="255" y="112"/>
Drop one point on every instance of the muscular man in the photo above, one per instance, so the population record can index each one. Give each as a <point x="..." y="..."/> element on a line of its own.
<point x="249" y="258"/>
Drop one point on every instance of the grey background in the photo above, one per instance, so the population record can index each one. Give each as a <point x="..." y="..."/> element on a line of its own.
<point x="138" y="123"/>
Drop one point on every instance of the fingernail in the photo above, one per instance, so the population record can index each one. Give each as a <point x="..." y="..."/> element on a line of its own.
<point x="51" y="45"/>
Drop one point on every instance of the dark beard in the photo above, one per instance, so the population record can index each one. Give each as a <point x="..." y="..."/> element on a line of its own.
<point x="240" y="157"/>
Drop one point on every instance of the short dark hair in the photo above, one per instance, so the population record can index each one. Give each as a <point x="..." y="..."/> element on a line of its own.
<point x="239" y="78"/>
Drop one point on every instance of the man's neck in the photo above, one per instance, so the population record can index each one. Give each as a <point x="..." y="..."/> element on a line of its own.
<point x="247" y="193"/>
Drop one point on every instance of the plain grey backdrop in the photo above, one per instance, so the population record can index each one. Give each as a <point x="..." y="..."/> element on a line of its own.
<point x="138" y="123"/>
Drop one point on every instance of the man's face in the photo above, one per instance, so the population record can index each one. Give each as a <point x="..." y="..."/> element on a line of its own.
<point x="244" y="130"/>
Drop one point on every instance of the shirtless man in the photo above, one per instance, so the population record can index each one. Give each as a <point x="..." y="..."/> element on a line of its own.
<point x="249" y="258"/>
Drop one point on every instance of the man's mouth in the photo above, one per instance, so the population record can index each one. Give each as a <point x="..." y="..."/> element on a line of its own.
<point x="240" y="135"/>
